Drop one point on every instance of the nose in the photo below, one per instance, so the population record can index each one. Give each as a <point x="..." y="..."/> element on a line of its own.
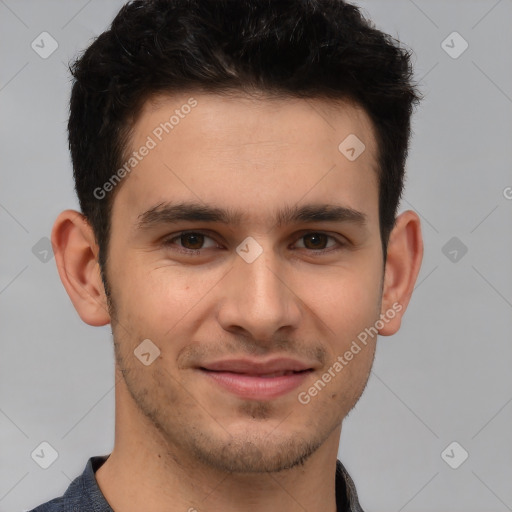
<point x="258" y="299"/>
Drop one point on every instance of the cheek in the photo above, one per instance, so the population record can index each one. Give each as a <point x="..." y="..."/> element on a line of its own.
<point x="159" y="299"/>
<point x="346" y="299"/>
<point x="155" y="297"/>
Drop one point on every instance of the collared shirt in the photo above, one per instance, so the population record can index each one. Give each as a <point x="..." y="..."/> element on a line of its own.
<point x="84" y="494"/>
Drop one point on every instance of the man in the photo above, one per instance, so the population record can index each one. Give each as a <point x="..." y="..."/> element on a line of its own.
<point x="239" y="166"/>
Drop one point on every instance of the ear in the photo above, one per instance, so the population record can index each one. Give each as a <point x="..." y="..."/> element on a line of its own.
<point x="76" y="255"/>
<point x="403" y="262"/>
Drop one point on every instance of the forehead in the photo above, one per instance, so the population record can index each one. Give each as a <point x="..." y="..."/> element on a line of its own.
<point x="251" y="153"/>
<point x="254" y="119"/>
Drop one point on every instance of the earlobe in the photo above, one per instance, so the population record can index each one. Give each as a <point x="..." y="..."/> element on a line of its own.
<point x="404" y="256"/>
<point x="76" y="252"/>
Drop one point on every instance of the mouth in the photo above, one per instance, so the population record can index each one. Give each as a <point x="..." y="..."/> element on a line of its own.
<point x="257" y="381"/>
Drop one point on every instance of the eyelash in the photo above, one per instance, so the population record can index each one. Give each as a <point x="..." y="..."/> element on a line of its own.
<point x="168" y="242"/>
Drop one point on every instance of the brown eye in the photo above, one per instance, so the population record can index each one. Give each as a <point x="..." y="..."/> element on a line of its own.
<point x="318" y="243"/>
<point x="315" y="240"/>
<point x="192" y="241"/>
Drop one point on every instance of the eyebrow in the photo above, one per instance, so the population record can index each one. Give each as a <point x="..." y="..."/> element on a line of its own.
<point x="169" y="213"/>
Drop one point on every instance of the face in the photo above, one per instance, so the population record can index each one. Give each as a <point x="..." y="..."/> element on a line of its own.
<point x="245" y="245"/>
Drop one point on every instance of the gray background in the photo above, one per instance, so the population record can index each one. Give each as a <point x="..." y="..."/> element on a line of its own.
<point x="446" y="376"/>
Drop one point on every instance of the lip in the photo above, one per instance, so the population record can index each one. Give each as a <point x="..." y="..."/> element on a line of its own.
<point x="254" y="380"/>
<point x="257" y="367"/>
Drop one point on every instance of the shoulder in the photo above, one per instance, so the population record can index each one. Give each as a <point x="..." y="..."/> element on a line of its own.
<point x="82" y="494"/>
<point x="55" y="505"/>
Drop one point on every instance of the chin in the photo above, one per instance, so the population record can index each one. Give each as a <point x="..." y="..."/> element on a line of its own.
<point x="254" y="450"/>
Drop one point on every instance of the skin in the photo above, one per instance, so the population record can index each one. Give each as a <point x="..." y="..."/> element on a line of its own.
<point x="181" y="441"/>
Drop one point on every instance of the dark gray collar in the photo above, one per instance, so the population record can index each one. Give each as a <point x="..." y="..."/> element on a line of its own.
<point x="84" y="493"/>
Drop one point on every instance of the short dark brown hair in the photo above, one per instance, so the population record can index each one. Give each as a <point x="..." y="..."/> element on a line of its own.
<point x="298" y="48"/>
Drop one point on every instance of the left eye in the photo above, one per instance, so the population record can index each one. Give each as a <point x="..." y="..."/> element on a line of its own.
<point x="316" y="241"/>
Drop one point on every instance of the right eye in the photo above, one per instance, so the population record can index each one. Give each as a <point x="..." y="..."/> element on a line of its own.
<point x="191" y="242"/>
